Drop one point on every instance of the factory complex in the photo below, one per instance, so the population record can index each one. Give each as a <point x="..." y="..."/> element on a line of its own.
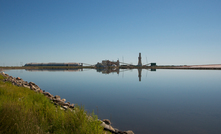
<point x="54" y="64"/>
<point x="104" y="63"/>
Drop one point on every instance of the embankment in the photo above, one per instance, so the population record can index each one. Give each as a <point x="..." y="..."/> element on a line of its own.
<point x="37" y="111"/>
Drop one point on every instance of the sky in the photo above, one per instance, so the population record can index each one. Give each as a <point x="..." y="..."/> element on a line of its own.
<point x="167" y="32"/>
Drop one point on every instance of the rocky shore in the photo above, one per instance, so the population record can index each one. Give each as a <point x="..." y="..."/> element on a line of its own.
<point x="57" y="101"/>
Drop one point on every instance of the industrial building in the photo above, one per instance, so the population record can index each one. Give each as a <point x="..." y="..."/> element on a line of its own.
<point x="139" y="60"/>
<point x="107" y="63"/>
<point x="53" y="64"/>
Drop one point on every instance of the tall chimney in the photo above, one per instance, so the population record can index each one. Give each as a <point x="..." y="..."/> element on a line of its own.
<point x="139" y="60"/>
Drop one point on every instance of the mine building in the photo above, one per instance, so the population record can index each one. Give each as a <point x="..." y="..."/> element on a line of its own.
<point x="107" y="63"/>
<point x="53" y="64"/>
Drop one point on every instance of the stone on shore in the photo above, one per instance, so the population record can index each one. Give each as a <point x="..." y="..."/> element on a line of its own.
<point x="71" y="106"/>
<point x="129" y="132"/>
<point x="106" y="121"/>
<point x="107" y="127"/>
<point x="56" y="97"/>
<point x="47" y="94"/>
<point x="18" y="78"/>
<point x="63" y="100"/>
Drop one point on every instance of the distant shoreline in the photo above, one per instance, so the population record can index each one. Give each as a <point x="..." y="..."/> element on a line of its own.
<point x="191" y="67"/>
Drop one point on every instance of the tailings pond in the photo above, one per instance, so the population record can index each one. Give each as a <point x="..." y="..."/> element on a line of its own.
<point x="144" y="101"/>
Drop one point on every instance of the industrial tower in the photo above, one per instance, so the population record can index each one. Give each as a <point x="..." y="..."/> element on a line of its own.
<point x="139" y="60"/>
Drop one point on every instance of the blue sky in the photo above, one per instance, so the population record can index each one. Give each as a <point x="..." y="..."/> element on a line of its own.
<point x="168" y="32"/>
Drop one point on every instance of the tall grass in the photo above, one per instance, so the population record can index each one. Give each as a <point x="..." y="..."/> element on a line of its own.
<point x="23" y="111"/>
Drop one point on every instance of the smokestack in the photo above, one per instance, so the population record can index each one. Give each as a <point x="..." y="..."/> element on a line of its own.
<point x="139" y="60"/>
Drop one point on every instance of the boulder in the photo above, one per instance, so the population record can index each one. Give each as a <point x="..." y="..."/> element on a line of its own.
<point x="32" y="87"/>
<point x="56" y="97"/>
<point x="26" y="86"/>
<point x="18" y="78"/>
<point x="71" y="106"/>
<point x="31" y="83"/>
<point x="63" y="100"/>
<point x="47" y="94"/>
<point x="108" y="127"/>
<point x="129" y="132"/>
<point x="40" y="91"/>
<point x="106" y="121"/>
<point x="65" y="107"/>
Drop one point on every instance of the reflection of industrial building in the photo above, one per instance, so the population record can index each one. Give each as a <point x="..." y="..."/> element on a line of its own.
<point x="139" y="74"/>
<point x="107" y="71"/>
<point x="53" y="70"/>
<point x="53" y="64"/>
<point x="107" y="63"/>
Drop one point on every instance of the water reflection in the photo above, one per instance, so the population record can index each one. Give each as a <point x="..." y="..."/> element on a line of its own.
<point x="117" y="70"/>
<point x="100" y="70"/>
<point x="69" y="70"/>
<point x="108" y="70"/>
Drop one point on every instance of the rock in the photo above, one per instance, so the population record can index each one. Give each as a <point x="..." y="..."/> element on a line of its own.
<point x="47" y="94"/>
<point x="106" y="121"/>
<point x="65" y="107"/>
<point x="71" y="106"/>
<point x="65" y="104"/>
<point x="31" y="83"/>
<point x="63" y="100"/>
<point x="107" y="127"/>
<point x="60" y="102"/>
<point x="3" y="73"/>
<point x="129" y="132"/>
<point x="57" y="100"/>
<point x="40" y="91"/>
<point x="56" y="97"/>
<point x="26" y="86"/>
<point x="32" y="87"/>
<point x="18" y="78"/>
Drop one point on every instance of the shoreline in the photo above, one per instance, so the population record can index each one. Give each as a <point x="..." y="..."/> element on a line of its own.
<point x="57" y="101"/>
<point x="184" y="67"/>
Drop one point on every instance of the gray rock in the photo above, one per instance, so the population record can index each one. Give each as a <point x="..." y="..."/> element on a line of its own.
<point x="106" y="121"/>
<point x="48" y="94"/>
<point x="32" y="87"/>
<point x="63" y="100"/>
<point x="18" y="78"/>
<point x="26" y="86"/>
<point x="31" y="83"/>
<point x="65" y="107"/>
<point x="56" y="96"/>
<point x="57" y="100"/>
<point x="65" y="104"/>
<point x="71" y="106"/>
<point x="129" y="132"/>
<point x="107" y="127"/>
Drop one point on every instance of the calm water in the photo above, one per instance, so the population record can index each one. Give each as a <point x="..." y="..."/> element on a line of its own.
<point x="159" y="102"/>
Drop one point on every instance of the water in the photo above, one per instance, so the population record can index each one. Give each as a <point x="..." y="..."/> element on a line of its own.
<point x="159" y="102"/>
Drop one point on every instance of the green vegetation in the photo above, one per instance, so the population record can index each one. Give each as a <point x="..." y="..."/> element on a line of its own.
<point x="24" y="111"/>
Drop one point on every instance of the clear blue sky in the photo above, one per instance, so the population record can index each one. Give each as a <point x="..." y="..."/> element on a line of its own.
<point x="165" y="31"/>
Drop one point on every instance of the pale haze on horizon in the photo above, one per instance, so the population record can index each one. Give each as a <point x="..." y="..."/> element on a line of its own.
<point x="168" y="32"/>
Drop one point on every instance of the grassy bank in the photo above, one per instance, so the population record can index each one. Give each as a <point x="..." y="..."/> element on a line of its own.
<point x="25" y="111"/>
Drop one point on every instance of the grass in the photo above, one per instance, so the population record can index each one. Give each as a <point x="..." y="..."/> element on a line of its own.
<point x="23" y="111"/>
